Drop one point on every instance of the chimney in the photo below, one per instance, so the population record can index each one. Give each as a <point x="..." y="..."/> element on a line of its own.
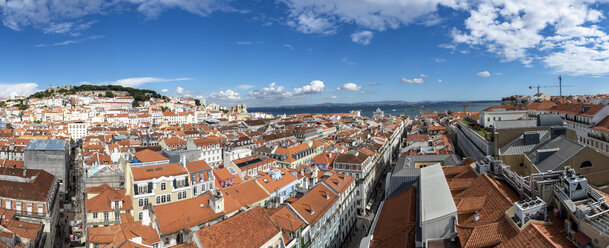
<point x="216" y="201"/>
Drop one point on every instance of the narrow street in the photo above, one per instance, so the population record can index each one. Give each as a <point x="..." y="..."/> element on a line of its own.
<point x="362" y="224"/>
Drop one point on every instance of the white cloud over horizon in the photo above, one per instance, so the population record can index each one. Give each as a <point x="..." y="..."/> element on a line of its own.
<point x="18" y="89"/>
<point x="315" y="86"/>
<point x="224" y="95"/>
<point x="350" y="87"/>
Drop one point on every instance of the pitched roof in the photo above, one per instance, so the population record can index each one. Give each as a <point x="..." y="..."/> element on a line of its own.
<point x="397" y="221"/>
<point x="315" y="203"/>
<point x="252" y="228"/>
<point x="271" y="185"/>
<point x="538" y="235"/>
<point x="246" y="193"/>
<point x="148" y="155"/>
<point x="285" y="219"/>
<point x="170" y="220"/>
<point x="156" y="171"/>
<point x="26" y="184"/>
<point x="199" y="165"/>
<point x="103" y="202"/>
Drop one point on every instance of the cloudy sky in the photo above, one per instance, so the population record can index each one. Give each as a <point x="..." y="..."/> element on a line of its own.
<point x="273" y="52"/>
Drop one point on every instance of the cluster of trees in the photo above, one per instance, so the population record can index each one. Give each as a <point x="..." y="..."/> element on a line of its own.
<point x="137" y="94"/>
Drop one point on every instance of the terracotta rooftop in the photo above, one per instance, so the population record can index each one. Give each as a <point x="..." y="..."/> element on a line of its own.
<point x="397" y="222"/>
<point x="103" y="202"/>
<point x="314" y="204"/>
<point x="170" y="221"/>
<point x="37" y="188"/>
<point x="156" y="171"/>
<point x="252" y="228"/>
<point x="148" y="155"/>
<point x="246" y="193"/>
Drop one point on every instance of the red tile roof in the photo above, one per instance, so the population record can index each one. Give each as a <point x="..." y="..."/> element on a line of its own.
<point x="156" y="171"/>
<point x="397" y="221"/>
<point x="148" y="155"/>
<point x="252" y="228"/>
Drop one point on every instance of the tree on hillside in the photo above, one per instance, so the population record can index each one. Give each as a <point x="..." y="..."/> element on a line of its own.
<point x="109" y="94"/>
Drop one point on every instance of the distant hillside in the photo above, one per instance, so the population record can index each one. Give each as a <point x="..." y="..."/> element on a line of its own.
<point x="103" y="90"/>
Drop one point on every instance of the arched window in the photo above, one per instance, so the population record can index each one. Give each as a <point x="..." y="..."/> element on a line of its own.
<point x="586" y="164"/>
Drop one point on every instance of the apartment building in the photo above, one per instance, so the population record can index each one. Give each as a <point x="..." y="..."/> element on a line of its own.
<point x="210" y="147"/>
<point x="156" y="185"/>
<point x="33" y="196"/>
<point x="358" y="165"/>
<point x="104" y="205"/>
<point x="77" y="130"/>
<point x="201" y="176"/>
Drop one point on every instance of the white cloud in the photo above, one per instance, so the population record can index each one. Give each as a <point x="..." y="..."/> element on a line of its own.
<point x="412" y="81"/>
<point x="309" y="22"/>
<point x="315" y="86"/>
<point x="63" y="16"/>
<point x="71" y="42"/>
<point x="165" y="90"/>
<point x="346" y="60"/>
<point x="227" y="95"/>
<point x="323" y="16"/>
<point x="439" y="60"/>
<point x="440" y="81"/>
<point x="363" y="37"/>
<point x="18" y="89"/>
<point x="332" y="96"/>
<point x="483" y="74"/>
<point x="245" y="86"/>
<point x="135" y="82"/>
<point x="350" y="87"/>
<point x="270" y="93"/>
<point x="289" y="47"/>
<point x="373" y="83"/>
<point x="423" y="75"/>
<point x="72" y="28"/>
<point x="564" y="35"/>
<point x="180" y="91"/>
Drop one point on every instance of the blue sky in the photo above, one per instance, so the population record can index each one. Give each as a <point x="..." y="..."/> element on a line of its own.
<point x="285" y="52"/>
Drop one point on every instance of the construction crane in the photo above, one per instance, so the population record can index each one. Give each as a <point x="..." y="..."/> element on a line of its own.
<point x="549" y="86"/>
<point x="464" y="109"/>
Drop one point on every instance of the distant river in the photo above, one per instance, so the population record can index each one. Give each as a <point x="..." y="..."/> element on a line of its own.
<point x="410" y="109"/>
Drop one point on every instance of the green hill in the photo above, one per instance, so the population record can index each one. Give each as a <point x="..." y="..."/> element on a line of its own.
<point x="137" y="94"/>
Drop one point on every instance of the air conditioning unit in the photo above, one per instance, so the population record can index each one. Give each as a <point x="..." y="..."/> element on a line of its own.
<point x="526" y="210"/>
<point x="576" y="187"/>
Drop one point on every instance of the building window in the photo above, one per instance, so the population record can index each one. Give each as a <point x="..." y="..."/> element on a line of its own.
<point x="163" y="199"/>
<point x="8" y="205"/>
<point x="140" y="215"/>
<point x="40" y="208"/>
<point x="141" y="202"/>
<point x="94" y="215"/>
<point x="168" y="198"/>
<point x="106" y="216"/>
<point x="586" y="164"/>
<point x="116" y="216"/>
<point x="158" y="199"/>
<point x="18" y="206"/>
<point x="163" y="186"/>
